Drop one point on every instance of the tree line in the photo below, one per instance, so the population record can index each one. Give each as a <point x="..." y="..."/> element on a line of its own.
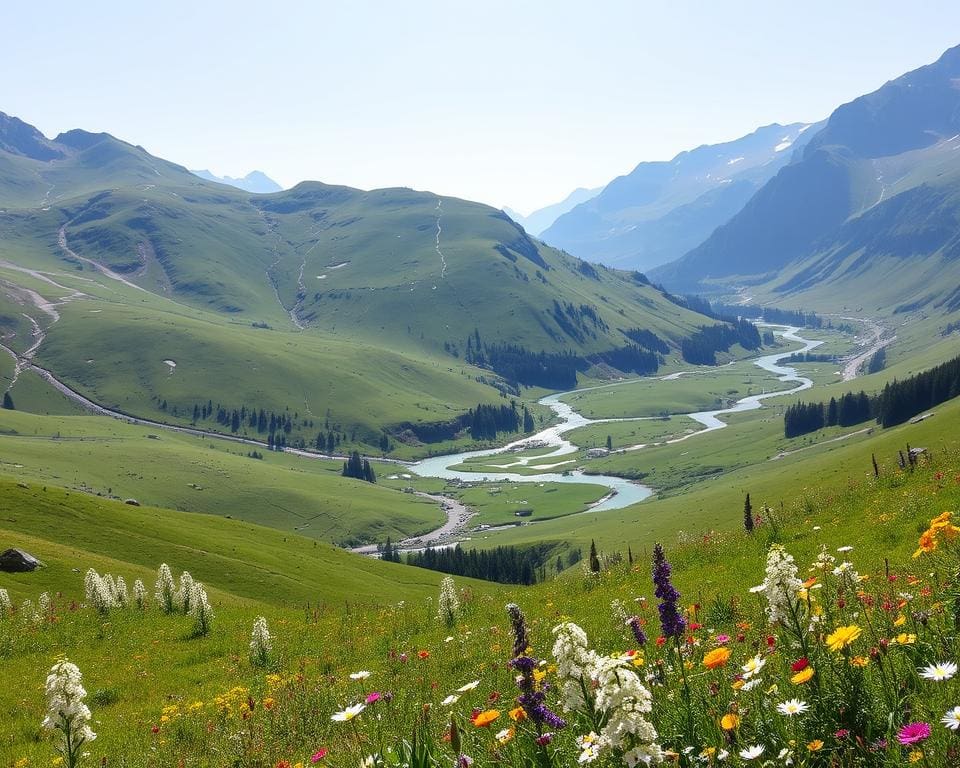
<point x="850" y="409"/>
<point x="506" y="564"/>
<point x="898" y="402"/>
<point x="701" y="348"/>
<point x="775" y="315"/>
<point x="902" y="400"/>
<point x="358" y="468"/>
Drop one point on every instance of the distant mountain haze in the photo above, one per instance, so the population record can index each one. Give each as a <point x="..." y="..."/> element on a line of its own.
<point x="660" y="210"/>
<point x="871" y="207"/>
<point x="255" y="181"/>
<point x="542" y="218"/>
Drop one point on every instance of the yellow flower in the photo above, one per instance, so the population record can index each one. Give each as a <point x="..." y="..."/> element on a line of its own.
<point x="716" y="658"/>
<point x="900" y="620"/>
<point x="737" y="684"/>
<point x="860" y="661"/>
<point x="815" y="746"/>
<point x="517" y="714"/>
<point x="841" y="637"/>
<point x="23" y="762"/>
<point x="915" y="756"/>
<point x="729" y="721"/>
<point x="904" y="639"/>
<point x="802" y="676"/>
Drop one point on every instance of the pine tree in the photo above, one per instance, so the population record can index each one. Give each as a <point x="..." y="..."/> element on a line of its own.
<point x="609" y="443"/>
<point x="747" y="515"/>
<point x="594" y="560"/>
<point x="8" y="402"/>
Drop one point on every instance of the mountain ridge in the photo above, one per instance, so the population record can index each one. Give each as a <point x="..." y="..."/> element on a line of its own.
<point x="900" y="137"/>
<point x="661" y="209"/>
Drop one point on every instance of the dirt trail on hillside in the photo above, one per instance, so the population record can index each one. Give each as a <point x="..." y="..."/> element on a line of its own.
<point x="105" y="271"/>
<point x="49" y="308"/>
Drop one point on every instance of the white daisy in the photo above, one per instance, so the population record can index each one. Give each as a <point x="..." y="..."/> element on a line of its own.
<point x="468" y="686"/>
<point x="751" y="753"/>
<point x="753" y="666"/>
<point x="451" y="699"/>
<point x="938" y="672"/>
<point x="952" y="719"/>
<point x="844" y="549"/>
<point x="792" y="707"/>
<point x="348" y="714"/>
<point x="361" y="675"/>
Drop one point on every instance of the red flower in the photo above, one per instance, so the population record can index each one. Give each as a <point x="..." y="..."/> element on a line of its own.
<point x="317" y="756"/>
<point x="423" y="654"/>
<point x="800" y="664"/>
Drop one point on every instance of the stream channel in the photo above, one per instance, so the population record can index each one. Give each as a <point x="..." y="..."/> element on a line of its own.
<point x="621" y="492"/>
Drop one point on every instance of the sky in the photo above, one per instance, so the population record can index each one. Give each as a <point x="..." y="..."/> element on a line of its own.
<point x="509" y="103"/>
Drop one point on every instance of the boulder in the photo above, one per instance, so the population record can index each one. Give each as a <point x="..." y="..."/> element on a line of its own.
<point x="18" y="561"/>
<point x="132" y="502"/>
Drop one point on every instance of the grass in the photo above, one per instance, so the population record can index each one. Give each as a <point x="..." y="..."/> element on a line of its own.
<point x="696" y="391"/>
<point x="104" y="456"/>
<point x="307" y="679"/>
<point x="223" y="270"/>
<point x="498" y="503"/>
<point x="629" y="433"/>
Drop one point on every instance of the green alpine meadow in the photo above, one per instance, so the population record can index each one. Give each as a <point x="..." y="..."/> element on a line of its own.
<point x="431" y="386"/>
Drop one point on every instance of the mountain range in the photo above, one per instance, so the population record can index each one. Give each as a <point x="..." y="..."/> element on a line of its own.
<point x="660" y="210"/>
<point x="255" y="181"/>
<point x="542" y="218"/>
<point x="870" y="207"/>
<point x="380" y="308"/>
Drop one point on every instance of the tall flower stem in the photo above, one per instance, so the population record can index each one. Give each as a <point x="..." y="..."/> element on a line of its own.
<point x="686" y="689"/>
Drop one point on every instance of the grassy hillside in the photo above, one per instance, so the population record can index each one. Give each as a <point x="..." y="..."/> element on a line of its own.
<point x="321" y="304"/>
<point x="110" y="458"/>
<point x="205" y="698"/>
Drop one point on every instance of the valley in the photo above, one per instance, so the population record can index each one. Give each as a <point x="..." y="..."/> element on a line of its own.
<point x="315" y="473"/>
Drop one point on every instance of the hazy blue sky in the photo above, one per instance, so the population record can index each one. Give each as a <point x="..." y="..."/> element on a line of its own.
<point x="512" y="103"/>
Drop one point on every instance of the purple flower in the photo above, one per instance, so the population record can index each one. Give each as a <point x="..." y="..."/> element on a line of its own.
<point x="521" y="639"/>
<point x="912" y="733"/>
<point x="671" y="621"/>
<point x="532" y="697"/>
<point x="638" y="633"/>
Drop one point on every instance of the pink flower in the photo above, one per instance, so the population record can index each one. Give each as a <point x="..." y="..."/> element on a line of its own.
<point x="373" y="697"/>
<point x="722" y="639"/>
<point x="317" y="756"/>
<point x="912" y="733"/>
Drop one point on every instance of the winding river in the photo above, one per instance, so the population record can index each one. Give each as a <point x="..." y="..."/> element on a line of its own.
<point x="621" y="492"/>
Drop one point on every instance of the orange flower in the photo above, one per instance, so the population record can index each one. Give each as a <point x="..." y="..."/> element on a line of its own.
<point x="928" y="543"/>
<point x="716" y="658"/>
<point x="423" y="654"/>
<point x="517" y="714"/>
<point x="485" y="718"/>
<point x="729" y="721"/>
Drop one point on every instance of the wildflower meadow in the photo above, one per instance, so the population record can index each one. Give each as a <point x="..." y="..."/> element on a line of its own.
<point x="809" y="640"/>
